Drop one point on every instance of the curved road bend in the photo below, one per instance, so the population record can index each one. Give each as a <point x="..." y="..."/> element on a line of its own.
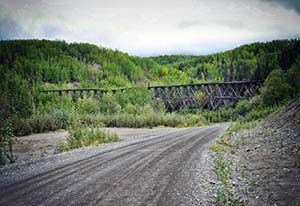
<point x="154" y="171"/>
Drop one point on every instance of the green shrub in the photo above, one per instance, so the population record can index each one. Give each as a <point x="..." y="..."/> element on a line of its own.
<point x="21" y="126"/>
<point x="88" y="106"/>
<point x="293" y="76"/>
<point x="136" y="96"/>
<point x="147" y="109"/>
<point x="199" y="99"/>
<point x="276" y="88"/>
<point x="88" y="120"/>
<point x="49" y="103"/>
<point x="221" y="115"/>
<point x="6" y="141"/>
<point x="40" y="123"/>
<point x="243" y="107"/>
<point x="131" y="109"/>
<point x="158" y="105"/>
<point x="82" y="137"/>
<point x="108" y="104"/>
<point x="259" y="112"/>
<point x="51" y="122"/>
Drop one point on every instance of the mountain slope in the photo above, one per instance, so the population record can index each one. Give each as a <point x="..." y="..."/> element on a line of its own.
<point x="57" y="62"/>
<point x="258" y="59"/>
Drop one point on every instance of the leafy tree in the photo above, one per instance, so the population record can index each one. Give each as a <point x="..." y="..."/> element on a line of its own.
<point x="276" y="88"/>
<point x="293" y="75"/>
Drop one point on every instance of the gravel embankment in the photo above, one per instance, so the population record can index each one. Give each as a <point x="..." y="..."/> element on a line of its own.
<point x="270" y="153"/>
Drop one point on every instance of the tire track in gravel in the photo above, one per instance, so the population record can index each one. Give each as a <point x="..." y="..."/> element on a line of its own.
<point x="163" y="173"/>
<point x="71" y="165"/>
<point x="95" y="180"/>
<point x="47" y="178"/>
<point x="74" y="165"/>
<point x="154" y="161"/>
<point x="146" y="162"/>
<point x="117" y="170"/>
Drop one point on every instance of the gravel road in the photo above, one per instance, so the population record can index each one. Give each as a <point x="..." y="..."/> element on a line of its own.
<point x="161" y="169"/>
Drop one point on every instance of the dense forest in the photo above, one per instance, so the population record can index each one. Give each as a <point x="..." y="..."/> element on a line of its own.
<point x="57" y="62"/>
<point x="257" y="60"/>
<point x="29" y="65"/>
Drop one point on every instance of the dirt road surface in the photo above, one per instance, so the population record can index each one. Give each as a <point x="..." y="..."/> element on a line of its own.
<point x="161" y="169"/>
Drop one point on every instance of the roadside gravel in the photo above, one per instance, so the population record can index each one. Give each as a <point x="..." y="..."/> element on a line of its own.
<point x="149" y="167"/>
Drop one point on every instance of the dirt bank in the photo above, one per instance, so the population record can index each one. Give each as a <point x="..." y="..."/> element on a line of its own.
<point x="270" y="155"/>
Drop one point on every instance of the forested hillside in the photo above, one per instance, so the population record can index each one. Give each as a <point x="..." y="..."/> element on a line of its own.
<point x="255" y="60"/>
<point x="56" y="62"/>
<point x="29" y="65"/>
<point x="49" y="63"/>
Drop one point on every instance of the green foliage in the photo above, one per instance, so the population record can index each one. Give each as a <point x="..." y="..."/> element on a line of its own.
<point x="223" y="167"/>
<point x="108" y="104"/>
<point x="199" y="99"/>
<point x="51" y="63"/>
<point x="255" y="61"/>
<point x="149" y="120"/>
<point x="276" y="88"/>
<point x="221" y="115"/>
<point x="236" y="126"/>
<point x="243" y="107"/>
<point x="41" y="123"/>
<point x="259" y="113"/>
<point x="51" y="103"/>
<point x="293" y="76"/>
<point x="244" y="111"/>
<point x="136" y="96"/>
<point x="131" y="109"/>
<point x="226" y="193"/>
<point x="15" y="95"/>
<point x="82" y="137"/>
<point x="6" y="141"/>
<point x="88" y="106"/>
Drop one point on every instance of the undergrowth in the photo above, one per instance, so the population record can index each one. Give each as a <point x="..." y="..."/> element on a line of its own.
<point x="7" y="139"/>
<point x="58" y="119"/>
<point x="226" y="193"/>
<point x="82" y="137"/>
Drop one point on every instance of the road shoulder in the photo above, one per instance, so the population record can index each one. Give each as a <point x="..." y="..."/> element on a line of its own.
<point x="261" y="161"/>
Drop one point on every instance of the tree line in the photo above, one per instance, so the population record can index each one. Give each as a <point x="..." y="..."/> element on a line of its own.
<point x="253" y="61"/>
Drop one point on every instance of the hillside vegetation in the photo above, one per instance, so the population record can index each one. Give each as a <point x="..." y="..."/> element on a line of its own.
<point x="28" y="66"/>
<point x="254" y="61"/>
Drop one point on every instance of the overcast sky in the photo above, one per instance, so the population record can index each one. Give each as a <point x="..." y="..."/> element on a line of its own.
<point x="152" y="27"/>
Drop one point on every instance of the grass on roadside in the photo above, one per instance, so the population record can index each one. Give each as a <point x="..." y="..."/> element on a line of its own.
<point x="82" y="137"/>
<point x="226" y="193"/>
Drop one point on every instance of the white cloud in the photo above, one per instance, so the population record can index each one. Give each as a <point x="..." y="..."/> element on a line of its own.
<point x="155" y="27"/>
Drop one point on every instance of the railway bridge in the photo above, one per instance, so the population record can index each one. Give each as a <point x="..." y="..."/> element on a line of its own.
<point x="212" y="95"/>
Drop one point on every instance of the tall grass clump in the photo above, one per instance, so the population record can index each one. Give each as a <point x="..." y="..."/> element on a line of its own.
<point x="82" y="137"/>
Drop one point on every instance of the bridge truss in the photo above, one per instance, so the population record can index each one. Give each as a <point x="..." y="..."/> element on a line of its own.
<point x="192" y="96"/>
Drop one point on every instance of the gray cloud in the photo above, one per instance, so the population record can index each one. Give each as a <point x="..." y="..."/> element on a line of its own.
<point x="151" y="27"/>
<point x="9" y="28"/>
<point x="51" y="31"/>
<point x="289" y="4"/>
